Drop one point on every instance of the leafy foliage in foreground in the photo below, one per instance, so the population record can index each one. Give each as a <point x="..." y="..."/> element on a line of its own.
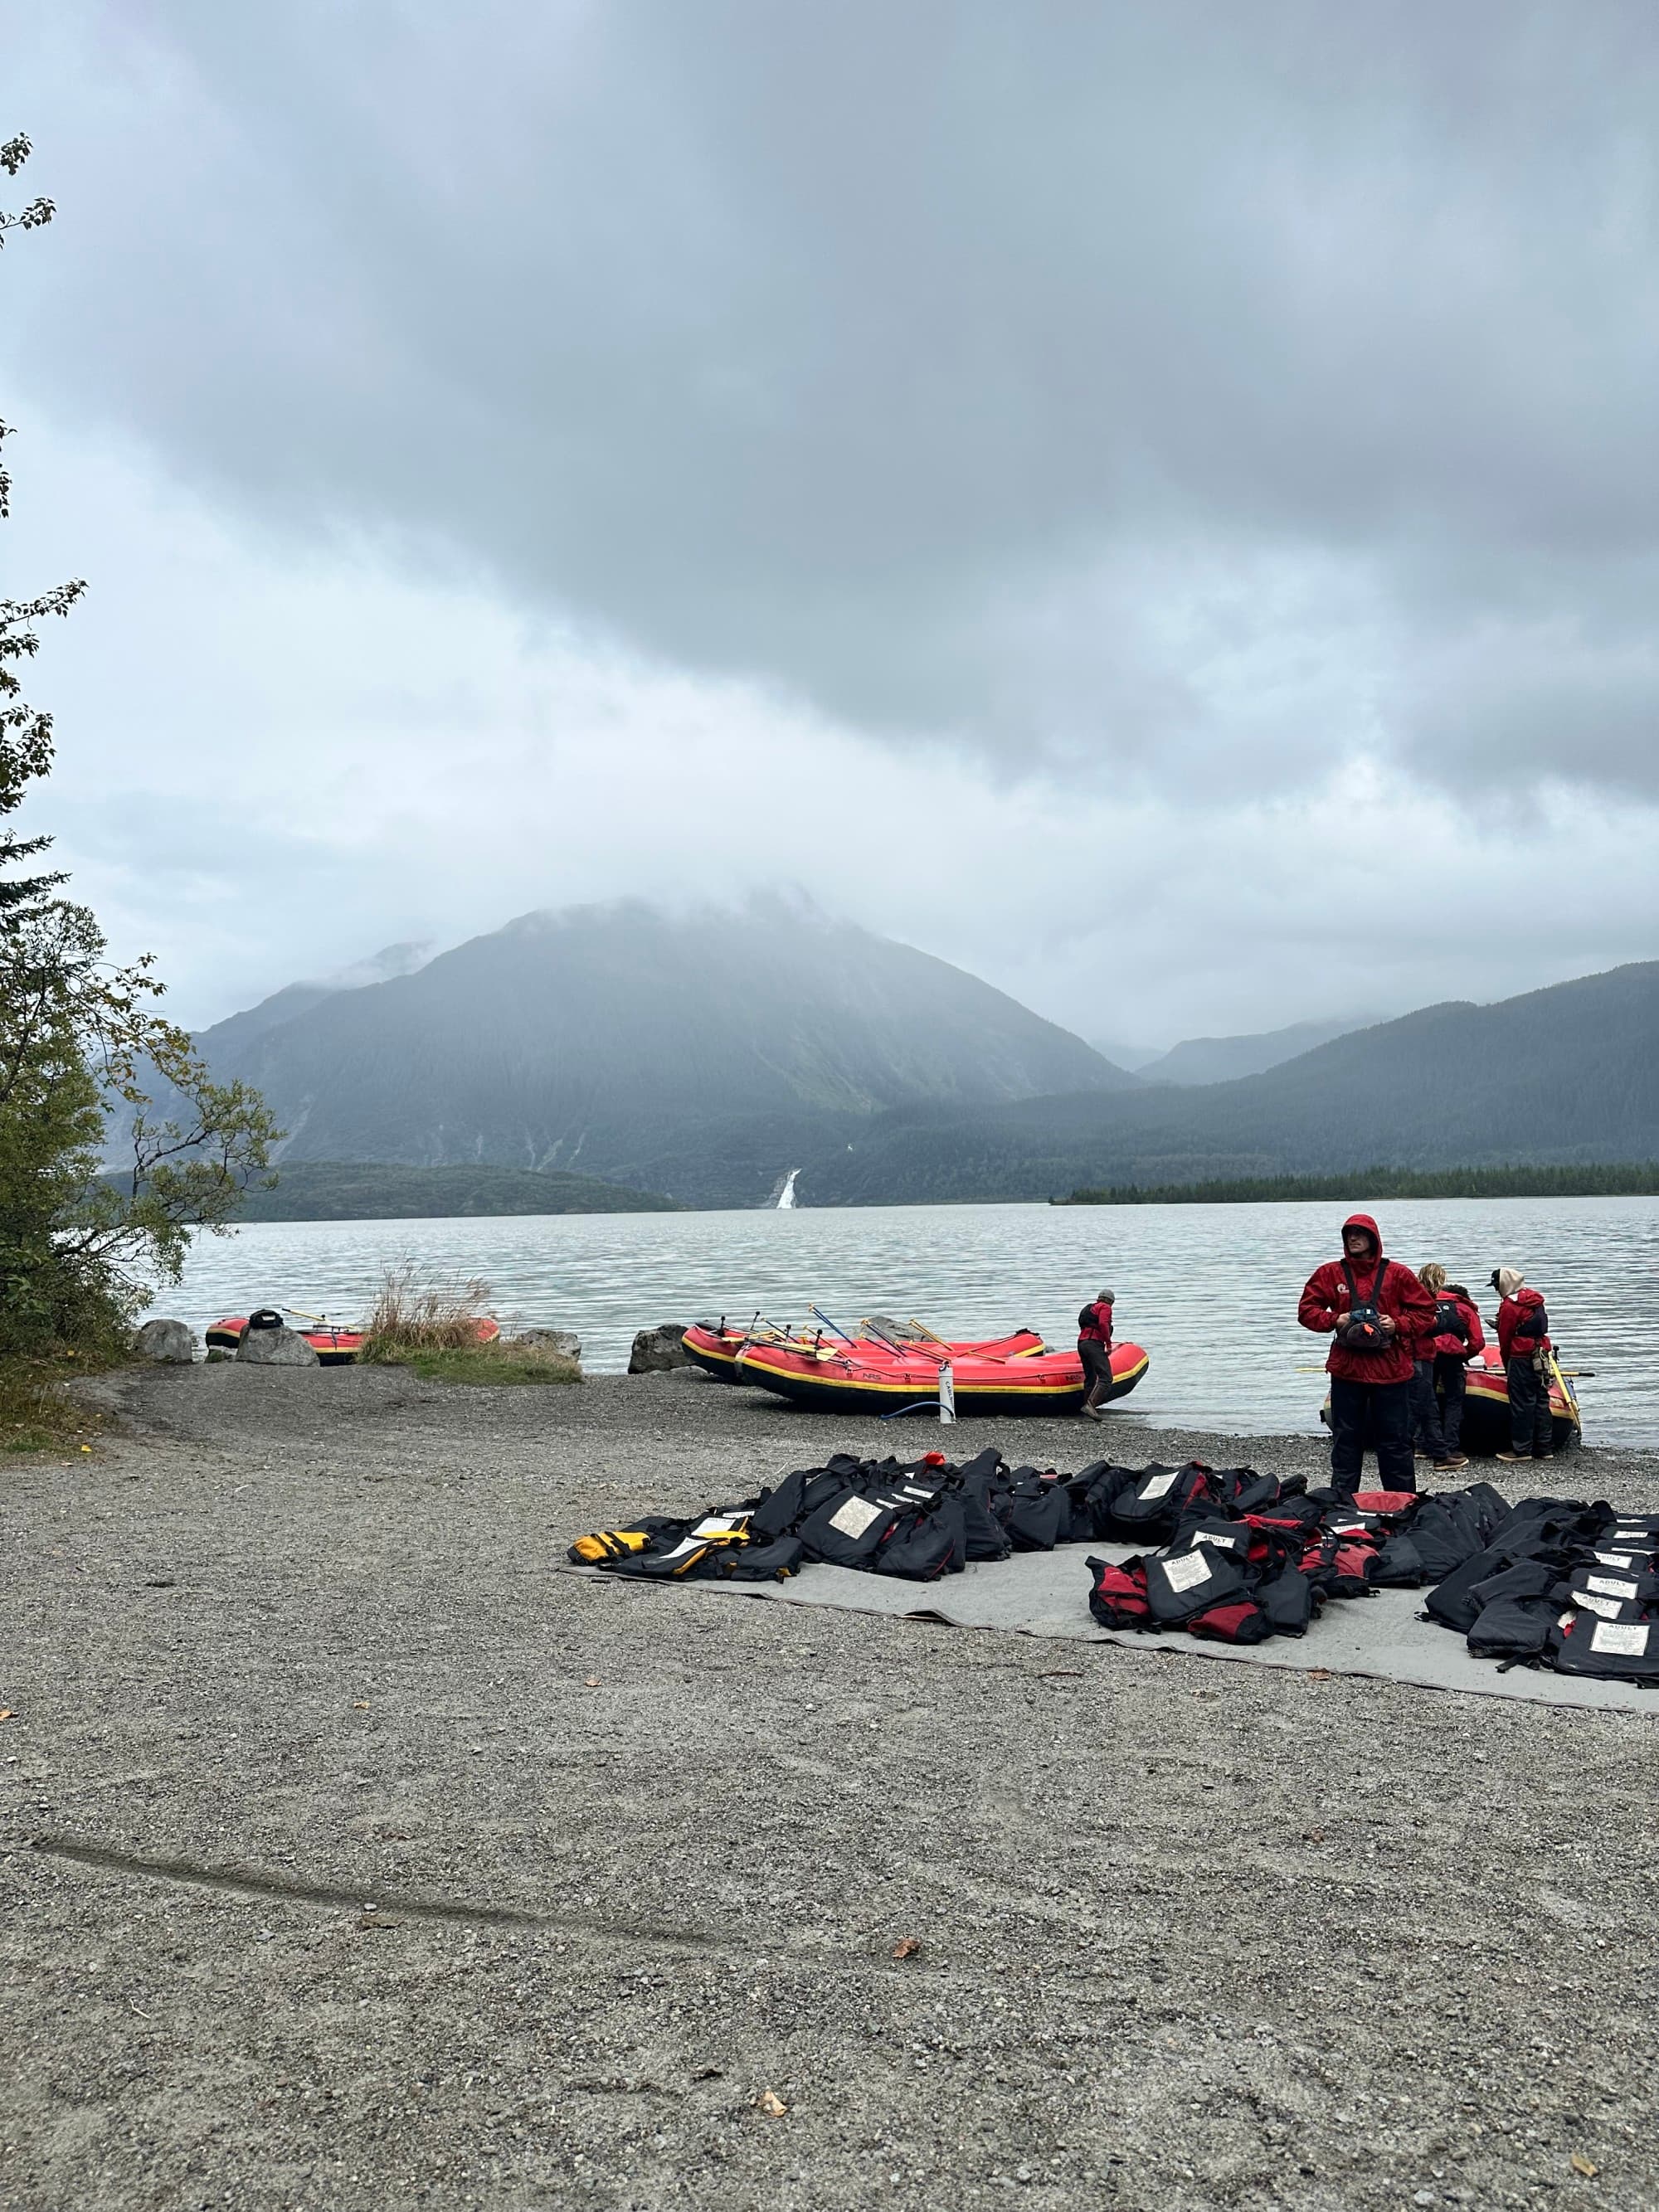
<point x="1638" y="1179"/>
<point x="36" y="1413"/>
<point x="80" y="1038"/>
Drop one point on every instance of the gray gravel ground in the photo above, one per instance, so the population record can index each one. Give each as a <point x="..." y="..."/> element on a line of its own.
<point x="354" y="1856"/>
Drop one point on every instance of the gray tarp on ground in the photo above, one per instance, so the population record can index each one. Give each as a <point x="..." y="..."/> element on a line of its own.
<point x="1047" y="1594"/>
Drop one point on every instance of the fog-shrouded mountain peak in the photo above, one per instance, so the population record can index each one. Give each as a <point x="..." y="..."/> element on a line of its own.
<point x="703" y="1054"/>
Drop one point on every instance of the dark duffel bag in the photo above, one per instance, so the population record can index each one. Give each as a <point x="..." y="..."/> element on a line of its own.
<point x="1180" y="1584"/>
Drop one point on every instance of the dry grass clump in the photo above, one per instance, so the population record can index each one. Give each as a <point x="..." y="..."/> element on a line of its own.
<point x="433" y="1329"/>
<point x="410" y="1315"/>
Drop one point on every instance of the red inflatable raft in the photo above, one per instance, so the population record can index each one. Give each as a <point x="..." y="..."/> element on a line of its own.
<point x="334" y="1347"/>
<point x="1486" y="1429"/>
<point x="715" y="1346"/>
<point x="1009" y="1375"/>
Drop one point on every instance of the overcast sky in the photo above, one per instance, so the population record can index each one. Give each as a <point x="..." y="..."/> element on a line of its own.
<point x="1157" y="504"/>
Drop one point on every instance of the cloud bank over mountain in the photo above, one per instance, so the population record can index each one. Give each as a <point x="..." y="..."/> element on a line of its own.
<point x="1202" y="443"/>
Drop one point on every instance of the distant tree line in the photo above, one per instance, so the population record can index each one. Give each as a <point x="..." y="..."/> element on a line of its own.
<point x="1627" y="1179"/>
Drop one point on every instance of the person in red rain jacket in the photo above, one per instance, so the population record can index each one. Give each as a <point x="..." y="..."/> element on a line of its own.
<point x="1094" y="1346"/>
<point x="1370" y="1381"/>
<point x="1440" y="1353"/>
<point x="1523" y="1340"/>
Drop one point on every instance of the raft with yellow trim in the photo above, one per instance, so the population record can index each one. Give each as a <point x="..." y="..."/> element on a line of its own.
<point x="1486" y="1427"/>
<point x="834" y="1375"/>
<point x="334" y="1347"/>
<point x="1487" y="1407"/>
<point x="716" y="1346"/>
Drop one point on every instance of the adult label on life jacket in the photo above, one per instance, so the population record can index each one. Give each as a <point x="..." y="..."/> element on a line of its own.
<point x="1186" y="1570"/>
<point x="1629" y="1639"/>
<point x="1160" y="1486"/>
<point x="1609" y="1586"/>
<point x="1607" y="1607"/>
<point x="720" y="1524"/>
<point x="853" y="1518"/>
<point x="1615" y="1560"/>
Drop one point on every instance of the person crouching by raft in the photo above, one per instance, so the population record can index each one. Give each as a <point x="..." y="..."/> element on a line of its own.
<point x="1523" y="1340"/>
<point x="1377" y="1311"/>
<point x="1094" y="1349"/>
<point x="1455" y="1338"/>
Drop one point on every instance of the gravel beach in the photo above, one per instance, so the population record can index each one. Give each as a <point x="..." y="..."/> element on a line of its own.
<point x="353" y="1855"/>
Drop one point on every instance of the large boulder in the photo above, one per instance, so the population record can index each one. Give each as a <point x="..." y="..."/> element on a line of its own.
<point x="564" y="1342"/>
<point x="658" y="1351"/>
<point x="277" y="1347"/>
<point x="169" y="1343"/>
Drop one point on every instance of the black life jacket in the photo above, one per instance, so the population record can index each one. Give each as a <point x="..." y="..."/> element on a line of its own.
<point x="1449" y="1319"/>
<point x="1530" y="1331"/>
<point x="1148" y="1508"/>
<point x="1239" y="1620"/>
<point x="1364" y="1331"/>
<point x="1514" y="1629"/>
<point x="1611" y="1650"/>
<point x="1180" y="1585"/>
<point x="924" y="1543"/>
<point x="1118" y="1595"/>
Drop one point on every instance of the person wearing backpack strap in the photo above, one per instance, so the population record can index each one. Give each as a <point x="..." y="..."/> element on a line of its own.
<point x="1375" y="1309"/>
<point x="1094" y="1349"/>
<point x="1438" y="1420"/>
<point x="1523" y="1340"/>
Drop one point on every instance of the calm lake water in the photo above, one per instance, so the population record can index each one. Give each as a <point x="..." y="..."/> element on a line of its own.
<point x="1210" y="1290"/>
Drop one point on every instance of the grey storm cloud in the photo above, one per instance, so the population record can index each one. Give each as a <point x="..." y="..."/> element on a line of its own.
<point x="1201" y="389"/>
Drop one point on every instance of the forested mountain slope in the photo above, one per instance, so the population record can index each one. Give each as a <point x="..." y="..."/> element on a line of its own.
<point x="1570" y="1072"/>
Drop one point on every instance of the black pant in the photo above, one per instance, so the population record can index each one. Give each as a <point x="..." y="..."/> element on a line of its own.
<point x="1530" y="1434"/>
<point x="1425" y="1412"/>
<point x="1452" y="1378"/>
<point x="1375" y="1414"/>
<point x="1097" y="1359"/>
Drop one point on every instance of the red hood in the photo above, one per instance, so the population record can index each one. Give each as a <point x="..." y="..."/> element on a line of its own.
<point x="1527" y="1301"/>
<point x="1364" y="1221"/>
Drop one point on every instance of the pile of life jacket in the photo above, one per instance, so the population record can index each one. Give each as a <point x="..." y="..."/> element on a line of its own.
<point x="915" y="1519"/>
<point x="1552" y="1582"/>
<point x="1240" y="1556"/>
<point x="920" y="1519"/>
<point x="1229" y="1554"/>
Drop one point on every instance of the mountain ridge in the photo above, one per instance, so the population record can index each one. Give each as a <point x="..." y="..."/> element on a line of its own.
<point x="700" y="1058"/>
